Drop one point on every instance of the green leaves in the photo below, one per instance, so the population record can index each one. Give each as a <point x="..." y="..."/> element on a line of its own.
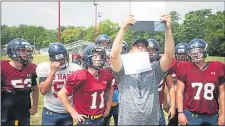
<point x="196" y="24"/>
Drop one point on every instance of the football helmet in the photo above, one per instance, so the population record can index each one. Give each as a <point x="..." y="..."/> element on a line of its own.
<point x="58" y="52"/>
<point x="20" y="50"/>
<point x="124" y="48"/>
<point x="181" y="52"/>
<point x="92" y="51"/>
<point x="104" y="41"/>
<point x="197" y="50"/>
<point x="153" y="50"/>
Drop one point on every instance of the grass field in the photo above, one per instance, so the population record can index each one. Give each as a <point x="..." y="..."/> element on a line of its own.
<point x="36" y="119"/>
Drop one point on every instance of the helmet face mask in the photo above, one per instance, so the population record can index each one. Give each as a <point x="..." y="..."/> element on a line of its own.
<point x="197" y="50"/>
<point x="196" y="54"/>
<point x="97" y="59"/>
<point x="181" y="57"/>
<point x="105" y="44"/>
<point x="153" y="54"/>
<point x="24" y="53"/>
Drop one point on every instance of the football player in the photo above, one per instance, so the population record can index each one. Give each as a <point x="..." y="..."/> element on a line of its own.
<point x="18" y="80"/>
<point x="103" y="40"/>
<point x="154" y="50"/>
<point x="180" y="55"/>
<point x="125" y="48"/>
<point x="89" y="88"/>
<point x="52" y="77"/>
<point x="115" y="102"/>
<point x="200" y="85"/>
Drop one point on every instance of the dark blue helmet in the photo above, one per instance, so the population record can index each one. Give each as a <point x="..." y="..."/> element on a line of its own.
<point x="89" y="52"/>
<point x="103" y="40"/>
<point x="181" y="52"/>
<point x="197" y="50"/>
<point x="125" y="48"/>
<point x="16" y="48"/>
<point x="57" y="52"/>
<point x="153" y="49"/>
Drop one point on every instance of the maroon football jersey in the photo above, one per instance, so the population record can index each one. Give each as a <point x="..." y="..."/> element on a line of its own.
<point x="161" y="88"/>
<point x="89" y="92"/>
<point x="201" y="86"/>
<point x="13" y="78"/>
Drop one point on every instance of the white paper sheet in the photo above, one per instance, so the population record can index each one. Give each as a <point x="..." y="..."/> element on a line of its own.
<point x="135" y="63"/>
<point x="148" y="11"/>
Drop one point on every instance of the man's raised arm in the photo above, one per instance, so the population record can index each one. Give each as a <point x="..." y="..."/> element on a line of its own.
<point x="169" y="49"/>
<point x="117" y="44"/>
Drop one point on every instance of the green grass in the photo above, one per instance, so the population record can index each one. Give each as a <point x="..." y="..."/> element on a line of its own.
<point x="36" y="119"/>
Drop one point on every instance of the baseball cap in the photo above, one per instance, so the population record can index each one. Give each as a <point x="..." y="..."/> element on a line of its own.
<point x="144" y="41"/>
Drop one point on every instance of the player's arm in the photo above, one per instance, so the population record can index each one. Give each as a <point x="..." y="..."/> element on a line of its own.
<point x="46" y="82"/>
<point x="117" y="44"/>
<point x="73" y="83"/>
<point x="35" y="96"/>
<point x="110" y="98"/>
<point x="171" y="89"/>
<point x="165" y="102"/>
<point x="172" y="94"/>
<point x="222" y="104"/>
<point x="179" y="95"/>
<point x="63" y="96"/>
<point x="169" y="51"/>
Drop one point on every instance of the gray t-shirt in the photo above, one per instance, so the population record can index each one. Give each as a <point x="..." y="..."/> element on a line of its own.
<point x="139" y="97"/>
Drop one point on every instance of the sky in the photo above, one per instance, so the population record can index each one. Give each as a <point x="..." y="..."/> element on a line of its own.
<point x="83" y="13"/>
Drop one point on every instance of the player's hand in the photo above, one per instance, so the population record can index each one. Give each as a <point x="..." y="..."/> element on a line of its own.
<point x="55" y="67"/>
<point x="172" y="112"/>
<point x="221" y="120"/>
<point x="182" y="119"/>
<point x="127" y="22"/>
<point x="166" y="107"/>
<point x="107" y="110"/>
<point x="79" y="118"/>
<point x="166" y="19"/>
<point x="33" y="109"/>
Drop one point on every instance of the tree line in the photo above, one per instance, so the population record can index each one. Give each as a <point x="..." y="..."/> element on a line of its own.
<point x="196" y="24"/>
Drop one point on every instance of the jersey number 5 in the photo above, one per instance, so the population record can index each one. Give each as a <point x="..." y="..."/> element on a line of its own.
<point x="57" y="86"/>
<point x="94" y="100"/>
<point x="208" y="90"/>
